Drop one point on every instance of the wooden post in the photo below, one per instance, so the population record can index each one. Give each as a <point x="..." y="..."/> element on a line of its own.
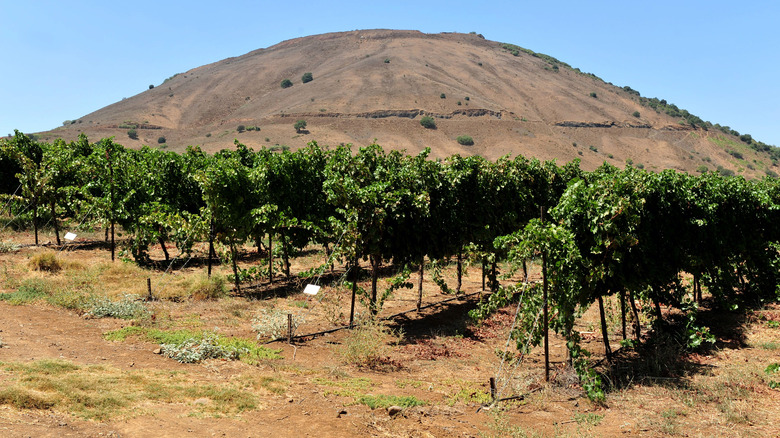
<point x="623" y="311"/>
<point x="544" y="311"/>
<point x="149" y="288"/>
<point x="420" y="284"/>
<point x="289" y="328"/>
<point x="354" y="276"/>
<point x="493" y="388"/>
<point x="604" y="331"/>
<point x="460" y="273"/>
<point x="211" y="244"/>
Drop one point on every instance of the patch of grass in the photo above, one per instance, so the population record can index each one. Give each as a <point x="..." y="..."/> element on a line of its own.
<point x="468" y="392"/>
<point x="30" y="290"/>
<point x="385" y="401"/>
<point x="205" y="288"/>
<point x="100" y="392"/>
<point x="348" y="387"/>
<point x="193" y="346"/>
<point x="588" y="419"/>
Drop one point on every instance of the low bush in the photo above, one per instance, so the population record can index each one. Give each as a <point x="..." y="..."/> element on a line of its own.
<point x="133" y="134"/>
<point x="161" y="140"/>
<point x="636" y="114"/>
<point x="286" y="83"/>
<point x="46" y="261"/>
<point x="465" y="140"/>
<point x="307" y="77"/>
<point x="428" y="122"/>
<point x="240" y="128"/>
<point x="129" y="307"/>
<point x="594" y="95"/>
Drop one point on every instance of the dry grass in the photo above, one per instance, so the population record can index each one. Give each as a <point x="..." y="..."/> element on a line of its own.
<point x="102" y="392"/>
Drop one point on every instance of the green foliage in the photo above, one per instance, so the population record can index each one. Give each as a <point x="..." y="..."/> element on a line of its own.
<point x="286" y="83"/>
<point x="428" y="122"/>
<point x="133" y="134"/>
<point x="465" y="140"/>
<point x="385" y="401"/>
<point x="636" y="114"/>
<point x="241" y="128"/>
<point x="443" y="96"/>
<point x="128" y="307"/>
<point x="47" y="261"/>
<point x="593" y="148"/>
<point x="307" y="77"/>
<point x="387" y="60"/>
<point x="161" y="140"/>
<point x="594" y="95"/>
<point x="300" y="125"/>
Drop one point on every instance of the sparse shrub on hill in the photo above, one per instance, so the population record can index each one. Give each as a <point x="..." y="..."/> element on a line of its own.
<point x="160" y="140"/>
<point x="465" y="140"/>
<point x="151" y="86"/>
<point x="241" y="128"/>
<point x="132" y="133"/>
<point x="428" y="122"/>
<point x="387" y="60"/>
<point x="307" y="77"/>
<point x="594" y="95"/>
<point x="443" y="96"/>
<point x="702" y="168"/>
<point x="636" y="114"/>
<point x="300" y="126"/>
<point x="286" y="83"/>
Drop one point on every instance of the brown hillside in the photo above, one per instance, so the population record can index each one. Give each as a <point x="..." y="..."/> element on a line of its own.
<point x="377" y="84"/>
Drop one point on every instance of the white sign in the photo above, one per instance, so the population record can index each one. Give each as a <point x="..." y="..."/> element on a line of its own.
<point x="70" y="236"/>
<point x="311" y="289"/>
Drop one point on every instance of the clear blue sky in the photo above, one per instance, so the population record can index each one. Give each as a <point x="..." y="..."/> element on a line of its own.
<point x="64" y="59"/>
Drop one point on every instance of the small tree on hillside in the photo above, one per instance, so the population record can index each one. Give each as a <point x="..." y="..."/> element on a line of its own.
<point x="300" y="126"/>
<point x="428" y="122"/>
<point x="307" y="77"/>
<point x="132" y="133"/>
<point x="286" y="83"/>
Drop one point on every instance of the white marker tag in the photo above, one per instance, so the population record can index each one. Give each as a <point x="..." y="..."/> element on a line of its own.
<point x="70" y="236"/>
<point x="311" y="289"/>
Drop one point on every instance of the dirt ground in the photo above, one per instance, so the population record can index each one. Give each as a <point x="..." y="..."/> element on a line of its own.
<point x="436" y="356"/>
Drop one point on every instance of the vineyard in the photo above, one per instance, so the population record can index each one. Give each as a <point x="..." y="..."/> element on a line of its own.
<point x="657" y="245"/>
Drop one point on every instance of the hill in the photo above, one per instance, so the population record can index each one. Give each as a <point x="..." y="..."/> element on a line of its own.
<point x="378" y="84"/>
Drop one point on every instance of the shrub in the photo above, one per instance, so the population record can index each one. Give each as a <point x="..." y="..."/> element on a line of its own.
<point x="467" y="98"/>
<point x="129" y="307"/>
<point x="387" y="60"/>
<point x="300" y="125"/>
<point x="735" y="154"/>
<point x="460" y="103"/>
<point x="702" y="168"/>
<point x="594" y="95"/>
<point x="132" y="133"/>
<point x="46" y="261"/>
<point x="725" y="172"/>
<point x="465" y="140"/>
<point x="640" y="166"/>
<point x="160" y="140"/>
<point x="428" y="122"/>
<point x="771" y="173"/>
<point x="151" y="86"/>
<point x="272" y="323"/>
<point x="593" y="148"/>
<point x="307" y="77"/>
<point x="286" y="83"/>
<point x="443" y="96"/>
<point x="367" y="347"/>
<point x="241" y="128"/>
<point x="636" y="114"/>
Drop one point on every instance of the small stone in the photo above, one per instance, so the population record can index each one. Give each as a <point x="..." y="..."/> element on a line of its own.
<point x="62" y="424"/>
<point x="394" y="410"/>
<point x="341" y="412"/>
<point x="157" y="351"/>
<point x="132" y="364"/>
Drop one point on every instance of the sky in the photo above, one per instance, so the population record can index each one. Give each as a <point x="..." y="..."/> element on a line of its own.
<point x="717" y="59"/>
